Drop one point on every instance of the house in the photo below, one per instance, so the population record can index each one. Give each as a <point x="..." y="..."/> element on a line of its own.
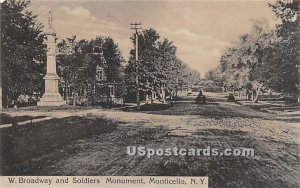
<point x="106" y="92"/>
<point x="91" y="85"/>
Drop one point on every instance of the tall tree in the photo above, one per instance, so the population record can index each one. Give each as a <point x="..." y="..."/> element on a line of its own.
<point x="161" y="71"/>
<point x="114" y="59"/>
<point x="285" y="55"/>
<point x="149" y="58"/>
<point x="265" y="58"/>
<point x="23" y="50"/>
<point x="241" y="66"/>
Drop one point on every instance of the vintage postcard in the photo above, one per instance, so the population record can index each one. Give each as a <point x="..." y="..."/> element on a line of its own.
<point x="149" y="93"/>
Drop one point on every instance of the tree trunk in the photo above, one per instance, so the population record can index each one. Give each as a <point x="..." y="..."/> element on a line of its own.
<point x="0" y="97"/>
<point x="7" y="105"/>
<point x="163" y="94"/>
<point x="15" y="105"/>
<point x="74" y="100"/>
<point x="152" y="96"/>
<point x="67" y="92"/>
<point x="147" y="98"/>
<point x="257" y="93"/>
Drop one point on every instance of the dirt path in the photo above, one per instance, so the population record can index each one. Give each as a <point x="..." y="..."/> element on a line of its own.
<point x="184" y="125"/>
<point x="276" y="144"/>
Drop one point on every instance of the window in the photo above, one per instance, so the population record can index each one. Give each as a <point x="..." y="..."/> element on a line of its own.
<point x="99" y="73"/>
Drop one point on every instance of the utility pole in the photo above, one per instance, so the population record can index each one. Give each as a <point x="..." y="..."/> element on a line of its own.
<point x="298" y="84"/>
<point x="136" y="26"/>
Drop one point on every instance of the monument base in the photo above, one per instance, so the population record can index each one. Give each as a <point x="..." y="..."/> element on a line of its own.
<point x="51" y="99"/>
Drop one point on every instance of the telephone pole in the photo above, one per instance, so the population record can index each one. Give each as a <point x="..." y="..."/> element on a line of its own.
<point x="136" y="26"/>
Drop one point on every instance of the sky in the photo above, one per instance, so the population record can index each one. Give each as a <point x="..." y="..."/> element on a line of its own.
<point x="200" y="29"/>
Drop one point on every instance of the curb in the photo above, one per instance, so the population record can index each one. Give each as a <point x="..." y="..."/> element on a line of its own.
<point x="26" y="122"/>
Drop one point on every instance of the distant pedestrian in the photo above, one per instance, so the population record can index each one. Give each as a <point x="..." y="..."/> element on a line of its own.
<point x="200" y="92"/>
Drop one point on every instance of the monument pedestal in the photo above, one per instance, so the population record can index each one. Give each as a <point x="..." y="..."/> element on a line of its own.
<point x="51" y="99"/>
<point x="51" y="96"/>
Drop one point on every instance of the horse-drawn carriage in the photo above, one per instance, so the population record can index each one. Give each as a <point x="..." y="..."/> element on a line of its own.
<point x="200" y="99"/>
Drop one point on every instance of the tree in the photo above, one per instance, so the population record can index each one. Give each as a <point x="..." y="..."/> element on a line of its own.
<point x="284" y="56"/>
<point x="148" y="66"/>
<point x="278" y="51"/>
<point x="215" y="75"/>
<point x="264" y="58"/>
<point x="114" y="59"/>
<point x="161" y="71"/>
<point x="241" y="66"/>
<point x="23" y="50"/>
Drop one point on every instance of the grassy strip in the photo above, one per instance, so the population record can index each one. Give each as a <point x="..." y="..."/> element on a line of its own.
<point x="23" y="143"/>
<point x="49" y="108"/>
<point x="7" y="119"/>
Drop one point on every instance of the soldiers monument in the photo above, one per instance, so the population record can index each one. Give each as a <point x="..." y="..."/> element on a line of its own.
<point x="51" y="97"/>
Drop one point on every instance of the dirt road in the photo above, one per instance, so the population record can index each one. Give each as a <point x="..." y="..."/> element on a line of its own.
<point x="184" y="124"/>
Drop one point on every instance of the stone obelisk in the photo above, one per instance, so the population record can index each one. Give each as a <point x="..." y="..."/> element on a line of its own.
<point x="51" y="97"/>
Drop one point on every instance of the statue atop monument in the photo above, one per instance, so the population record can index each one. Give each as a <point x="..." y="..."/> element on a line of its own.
<point x="50" y="18"/>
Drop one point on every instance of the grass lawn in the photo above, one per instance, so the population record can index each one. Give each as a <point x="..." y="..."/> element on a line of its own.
<point x="21" y="144"/>
<point x="49" y="108"/>
<point x="7" y="119"/>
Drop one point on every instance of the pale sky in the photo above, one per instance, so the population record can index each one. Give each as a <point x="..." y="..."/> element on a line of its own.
<point x="201" y="30"/>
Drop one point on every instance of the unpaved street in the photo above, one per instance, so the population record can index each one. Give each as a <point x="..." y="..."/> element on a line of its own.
<point x="183" y="124"/>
